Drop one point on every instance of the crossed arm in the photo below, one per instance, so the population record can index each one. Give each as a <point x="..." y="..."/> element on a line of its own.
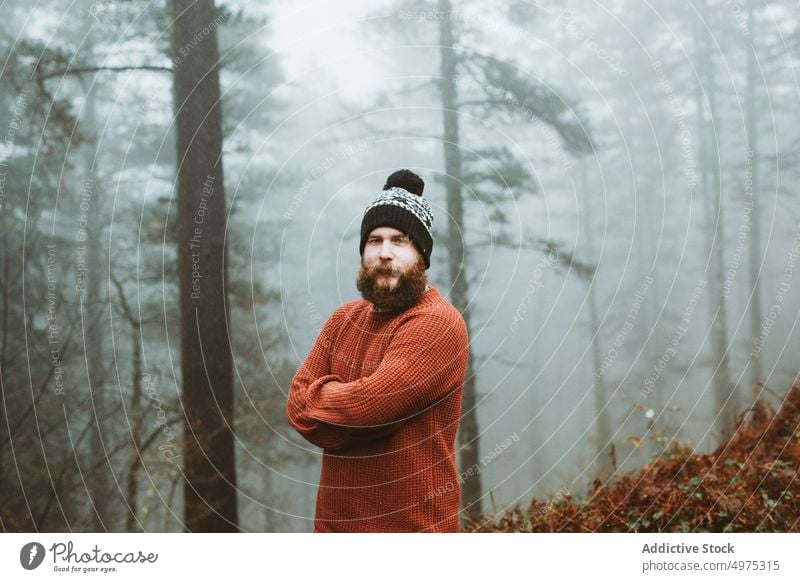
<point x="425" y="360"/>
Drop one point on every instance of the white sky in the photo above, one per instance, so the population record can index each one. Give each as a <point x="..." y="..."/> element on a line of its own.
<point x="313" y="33"/>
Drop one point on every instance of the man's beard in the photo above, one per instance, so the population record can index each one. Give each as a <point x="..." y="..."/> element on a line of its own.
<point x="410" y="286"/>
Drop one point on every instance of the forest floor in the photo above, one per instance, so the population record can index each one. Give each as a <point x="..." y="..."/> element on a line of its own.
<point x="751" y="483"/>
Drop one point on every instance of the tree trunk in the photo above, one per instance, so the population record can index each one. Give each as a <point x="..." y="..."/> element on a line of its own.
<point x="206" y="363"/>
<point x="4" y="378"/>
<point x="755" y="225"/>
<point x="468" y="433"/>
<point x="132" y="493"/>
<point x="604" y="461"/>
<point x="91" y="247"/>
<point x="724" y="390"/>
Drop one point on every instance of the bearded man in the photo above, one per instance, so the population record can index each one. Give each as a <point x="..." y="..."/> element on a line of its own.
<point x="380" y="391"/>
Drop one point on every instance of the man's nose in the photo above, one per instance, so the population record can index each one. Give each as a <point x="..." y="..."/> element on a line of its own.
<point x="387" y="251"/>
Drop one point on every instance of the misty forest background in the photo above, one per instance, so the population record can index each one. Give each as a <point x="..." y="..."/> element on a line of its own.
<point x="616" y="216"/>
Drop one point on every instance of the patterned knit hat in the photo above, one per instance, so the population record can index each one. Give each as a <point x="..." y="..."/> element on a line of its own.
<point x="401" y="206"/>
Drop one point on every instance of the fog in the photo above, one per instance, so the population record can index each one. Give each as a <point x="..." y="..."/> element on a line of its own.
<point x="626" y="243"/>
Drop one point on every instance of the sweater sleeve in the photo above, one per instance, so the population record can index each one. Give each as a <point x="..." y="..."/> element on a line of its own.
<point x="312" y="375"/>
<point x="426" y="359"/>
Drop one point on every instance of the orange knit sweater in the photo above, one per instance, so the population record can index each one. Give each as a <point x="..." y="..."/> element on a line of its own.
<point x="380" y="393"/>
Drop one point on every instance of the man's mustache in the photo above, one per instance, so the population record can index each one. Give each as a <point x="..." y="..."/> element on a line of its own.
<point x="384" y="270"/>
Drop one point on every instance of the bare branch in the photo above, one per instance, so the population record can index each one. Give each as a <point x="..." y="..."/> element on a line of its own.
<point x="124" y="302"/>
<point x="86" y="70"/>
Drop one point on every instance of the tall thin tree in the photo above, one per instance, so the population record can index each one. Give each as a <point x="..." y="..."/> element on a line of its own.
<point x="206" y="360"/>
<point x="709" y="129"/>
<point x="469" y="432"/>
<point x="754" y="153"/>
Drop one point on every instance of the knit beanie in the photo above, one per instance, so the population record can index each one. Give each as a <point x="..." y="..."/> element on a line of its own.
<point x="401" y="206"/>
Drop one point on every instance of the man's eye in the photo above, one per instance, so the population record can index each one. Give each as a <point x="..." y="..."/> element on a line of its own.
<point x="402" y="241"/>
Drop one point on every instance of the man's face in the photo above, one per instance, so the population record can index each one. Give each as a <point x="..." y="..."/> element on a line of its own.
<point x="392" y="274"/>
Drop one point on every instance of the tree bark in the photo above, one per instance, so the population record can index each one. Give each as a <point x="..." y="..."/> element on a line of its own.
<point x="100" y="484"/>
<point x="206" y="363"/>
<point x="132" y="493"/>
<point x="724" y="390"/>
<point x="755" y="222"/>
<point x="468" y="433"/>
<point x="604" y="460"/>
